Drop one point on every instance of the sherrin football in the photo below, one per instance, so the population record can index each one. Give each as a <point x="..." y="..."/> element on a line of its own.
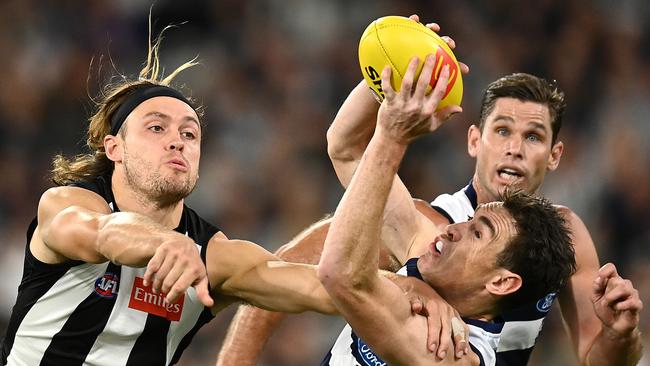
<point x="394" y="40"/>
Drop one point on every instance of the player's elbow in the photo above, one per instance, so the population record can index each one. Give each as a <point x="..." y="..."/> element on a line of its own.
<point x="337" y="148"/>
<point x="110" y="239"/>
<point x="338" y="281"/>
<point x="329" y="275"/>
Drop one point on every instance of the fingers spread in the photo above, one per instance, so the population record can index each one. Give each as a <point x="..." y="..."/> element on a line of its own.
<point x="433" y="26"/>
<point x="449" y="41"/>
<point x="409" y="78"/>
<point x="439" y="91"/>
<point x="425" y="76"/>
<point x="415" y="18"/>
<point x="386" y="86"/>
<point x="464" y="69"/>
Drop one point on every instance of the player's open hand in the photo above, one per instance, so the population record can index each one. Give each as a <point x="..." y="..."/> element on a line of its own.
<point x="175" y="267"/>
<point x="464" y="69"/>
<point x="411" y="112"/>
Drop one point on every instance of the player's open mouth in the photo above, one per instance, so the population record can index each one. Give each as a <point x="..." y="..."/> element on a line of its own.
<point x="438" y="246"/>
<point x="509" y="174"/>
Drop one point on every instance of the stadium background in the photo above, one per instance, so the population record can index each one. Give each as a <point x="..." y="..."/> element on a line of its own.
<point x="272" y="77"/>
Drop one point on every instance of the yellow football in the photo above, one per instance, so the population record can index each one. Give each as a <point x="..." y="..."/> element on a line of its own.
<point x="394" y="40"/>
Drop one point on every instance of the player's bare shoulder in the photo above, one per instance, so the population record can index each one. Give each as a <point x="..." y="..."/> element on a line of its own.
<point x="585" y="250"/>
<point x="56" y="199"/>
<point x="573" y="221"/>
<point x="53" y="203"/>
<point x="430" y="213"/>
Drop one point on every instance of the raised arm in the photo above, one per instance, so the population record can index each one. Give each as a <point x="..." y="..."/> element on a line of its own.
<point x="351" y="130"/>
<point x="77" y="224"/>
<point x="371" y="304"/>
<point x="601" y="310"/>
<point x="347" y="139"/>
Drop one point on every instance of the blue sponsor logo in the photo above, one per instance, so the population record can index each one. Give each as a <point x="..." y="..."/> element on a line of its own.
<point x="544" y="305"/>
<point x="368" y="356"/>
<point x="108" y="285"/>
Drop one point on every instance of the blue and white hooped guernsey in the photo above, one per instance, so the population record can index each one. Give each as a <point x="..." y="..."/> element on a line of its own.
<point x="522" y="326"/>
<point x="350" y="350"/>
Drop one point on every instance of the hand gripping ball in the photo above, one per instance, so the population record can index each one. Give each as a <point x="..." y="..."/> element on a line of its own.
<point x="393" y="41"/>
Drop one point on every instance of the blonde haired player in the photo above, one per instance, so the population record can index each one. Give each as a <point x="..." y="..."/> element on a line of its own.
<point x="118" y="270"/>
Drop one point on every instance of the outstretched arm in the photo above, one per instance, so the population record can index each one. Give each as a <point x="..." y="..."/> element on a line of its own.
<point x="347" y="139"/>
<point x="252" y="327"/>
<point x="600" y="309"/>
<point x="77" y="224"/>
<point x="245" y="271"/>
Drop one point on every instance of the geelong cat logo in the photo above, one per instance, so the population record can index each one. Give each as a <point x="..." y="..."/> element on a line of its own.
<point x="108" y="285"/>
<point x="544" y="305"/>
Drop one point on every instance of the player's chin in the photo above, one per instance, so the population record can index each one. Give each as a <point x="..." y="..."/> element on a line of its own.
<point x="519" y="184"/>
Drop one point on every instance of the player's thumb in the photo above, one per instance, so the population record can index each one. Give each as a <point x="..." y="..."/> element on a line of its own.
<point x="597" y="289"/>
<point x="203" y="293"/>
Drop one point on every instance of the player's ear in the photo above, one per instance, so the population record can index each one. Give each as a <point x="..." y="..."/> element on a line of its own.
<point x="113" y="146"/>
<point x="503" y="282"/>
<point x="556" y="154"/>
<point x="473" y="139"/>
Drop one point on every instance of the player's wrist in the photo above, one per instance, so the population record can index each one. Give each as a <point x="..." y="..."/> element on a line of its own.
<point x="621" y="335"/>
<point x="390" y="139"/>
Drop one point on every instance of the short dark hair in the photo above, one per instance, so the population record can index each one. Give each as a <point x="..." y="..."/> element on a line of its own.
<point x="541" y="252"/>
<point x="526" y="88"/>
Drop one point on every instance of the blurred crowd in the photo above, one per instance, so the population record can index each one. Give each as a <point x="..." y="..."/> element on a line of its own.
<point x="273" y="74"/>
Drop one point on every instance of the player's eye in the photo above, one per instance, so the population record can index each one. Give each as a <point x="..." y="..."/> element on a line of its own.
<point x="533" y="137"/>
<point x="502" y="131"/>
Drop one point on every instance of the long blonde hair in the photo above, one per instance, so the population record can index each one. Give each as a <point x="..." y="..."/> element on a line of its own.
<point x="87" y="167"/>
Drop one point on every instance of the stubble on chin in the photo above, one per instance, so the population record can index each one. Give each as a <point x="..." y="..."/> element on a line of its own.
<point x="154" y="187"/>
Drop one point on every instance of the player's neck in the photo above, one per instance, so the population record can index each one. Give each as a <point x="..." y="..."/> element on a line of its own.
<point x="482" y="194"/>
<point x="130" y="200"/>
<point x="475" y="306"/>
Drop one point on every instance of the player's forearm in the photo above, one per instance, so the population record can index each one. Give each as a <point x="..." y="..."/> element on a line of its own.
<point x="352" y="246"/>
<point x="129" y="238"/>
<point x="611" y="349"/>
<point x="251" y="327"/>
<point x="248" y="333"/>
<point x="349" y="134"/>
